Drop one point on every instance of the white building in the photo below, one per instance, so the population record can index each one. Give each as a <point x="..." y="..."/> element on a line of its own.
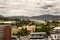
<point x="38" y="36"/>
<point x="7" y="22"/>
<point x="36" y="20"/>
<point x="55" y="33"/>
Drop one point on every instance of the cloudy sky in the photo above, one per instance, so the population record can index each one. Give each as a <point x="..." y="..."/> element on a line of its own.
<point x="29" y="7"/>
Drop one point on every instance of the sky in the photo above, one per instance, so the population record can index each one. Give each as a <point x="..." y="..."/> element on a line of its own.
<point x="29" y="7"/>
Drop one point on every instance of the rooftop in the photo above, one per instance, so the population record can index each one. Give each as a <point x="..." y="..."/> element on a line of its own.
<point x="57" y="28"/>
<point x="38" y="33"/>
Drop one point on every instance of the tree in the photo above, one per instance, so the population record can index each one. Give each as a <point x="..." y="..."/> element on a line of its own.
<point x="12" y="24"/>
<point x="45" y="29"/>
<point x="37" y="29"/>
<point x="22" y="32"/>
<point x="26" y="31"/>
<point x="18" y="23"/>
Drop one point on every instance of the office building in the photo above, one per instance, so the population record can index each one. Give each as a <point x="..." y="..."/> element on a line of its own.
<point x="5" y="32"/>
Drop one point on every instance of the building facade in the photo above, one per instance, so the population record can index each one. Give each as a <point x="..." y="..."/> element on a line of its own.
<point x="5" y="32"/>
<point x="29" y="28"/>
<point x="55" y="33"/>
<point x="38" y="36"/>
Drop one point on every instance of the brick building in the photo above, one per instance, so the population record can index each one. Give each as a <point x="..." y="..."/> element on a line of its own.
<point x="5" y="32"/>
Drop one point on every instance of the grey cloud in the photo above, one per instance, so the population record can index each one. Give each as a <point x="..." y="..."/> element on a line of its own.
<point x="29" y="7"/>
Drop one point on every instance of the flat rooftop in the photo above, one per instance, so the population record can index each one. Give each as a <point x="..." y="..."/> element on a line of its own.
<point x="38" y="33"/>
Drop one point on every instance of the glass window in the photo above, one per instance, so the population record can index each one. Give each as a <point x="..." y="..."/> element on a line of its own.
<point x="55" y="36"/>
<point x="40" y="34"/>
<point x="13" y="38"/>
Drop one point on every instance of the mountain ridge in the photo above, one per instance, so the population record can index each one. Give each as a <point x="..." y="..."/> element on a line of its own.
<point x="43" y="17"/>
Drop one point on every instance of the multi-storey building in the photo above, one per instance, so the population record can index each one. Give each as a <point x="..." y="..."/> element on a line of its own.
<point x="55" y="33"/>
<point x="5" y="32"/>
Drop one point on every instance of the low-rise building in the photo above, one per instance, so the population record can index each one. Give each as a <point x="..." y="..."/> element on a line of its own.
<point x="38" y="36"/>
<point x="55" y="33"/>
<point x="37" y="20"/>
<point x="29" y="28"/>
<point x="8" y="22"/>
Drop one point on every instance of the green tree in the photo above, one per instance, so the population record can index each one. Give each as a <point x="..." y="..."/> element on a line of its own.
<point x="12" y="24"/>
<point x="18" y="23"/>
<point x="37" y="29"/>
<point x="45" y="29"/>
<point x="26" y="31"/>
<point x="22" y="32"/>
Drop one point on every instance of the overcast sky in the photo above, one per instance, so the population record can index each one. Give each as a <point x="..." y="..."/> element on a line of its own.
<point x="29" y="7"/>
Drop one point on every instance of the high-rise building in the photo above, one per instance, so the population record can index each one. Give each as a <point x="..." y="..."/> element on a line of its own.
<point x="5" y="32"/>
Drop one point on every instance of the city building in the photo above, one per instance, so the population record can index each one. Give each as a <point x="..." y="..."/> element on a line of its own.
<point x="8" y="22"/>
<point x="29" y="28"/>
<point x="55" y="33"/>
<point x="5" y="32"/>
<point x="36" y="20"/>
<point x="38" y="36"/>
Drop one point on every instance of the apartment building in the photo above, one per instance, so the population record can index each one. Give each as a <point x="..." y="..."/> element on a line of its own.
<point x="5" y="32"/>
<point x="55" y="33"/>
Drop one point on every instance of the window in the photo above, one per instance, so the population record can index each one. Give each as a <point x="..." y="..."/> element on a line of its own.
<point x="40" y="34"/>
<point x="55" y="36"/>
<point x="13" y="38"/>
<point x="57" y="39"/>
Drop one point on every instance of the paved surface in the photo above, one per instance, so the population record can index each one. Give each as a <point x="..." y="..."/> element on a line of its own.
<point x="49" y="38"/>
<point x="24" y="38"/>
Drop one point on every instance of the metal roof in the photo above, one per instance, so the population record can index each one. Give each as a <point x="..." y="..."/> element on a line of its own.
<point x="38" y="33"/>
